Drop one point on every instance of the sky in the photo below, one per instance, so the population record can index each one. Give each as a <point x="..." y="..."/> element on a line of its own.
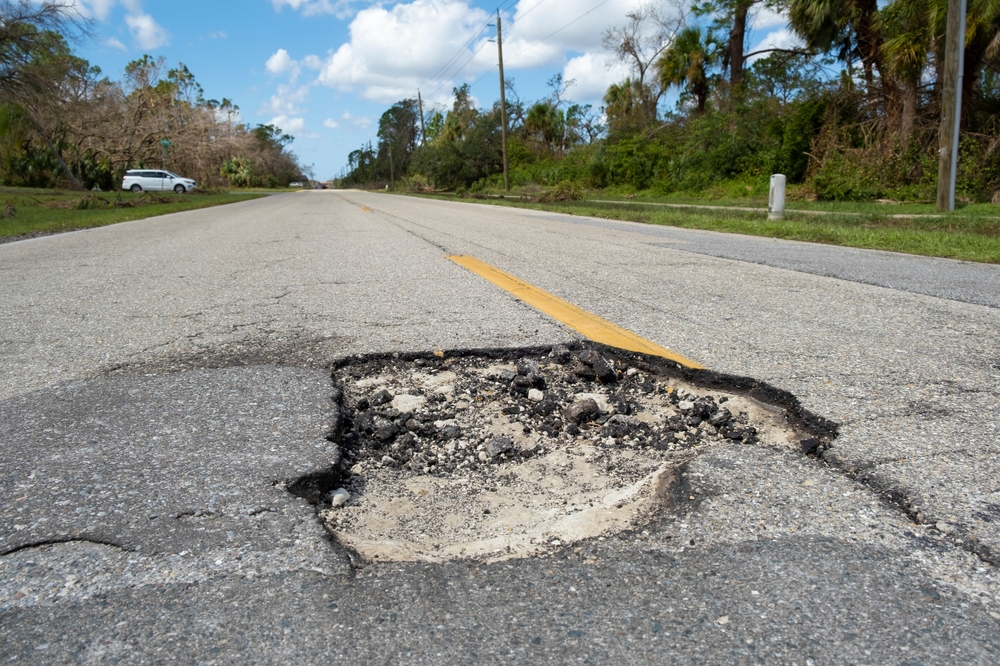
<point x="325" y="70"/>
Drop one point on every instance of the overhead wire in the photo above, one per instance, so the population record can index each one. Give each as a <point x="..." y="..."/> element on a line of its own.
<point x="464" y="48"/>
<point x="533" y="8"/>
<point x="551" y="34"/>
<point x="503" y="6"/>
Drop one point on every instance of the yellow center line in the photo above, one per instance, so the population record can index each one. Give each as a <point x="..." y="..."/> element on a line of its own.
<point x="367" y="210"/>
<point x="581" y="321"/>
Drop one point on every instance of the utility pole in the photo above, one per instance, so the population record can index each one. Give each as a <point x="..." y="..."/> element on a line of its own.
<point x="951" y="104"/>
<point x="392" y="173"/>
<point x="503" y="108"/>
<point x="423" y="130"/>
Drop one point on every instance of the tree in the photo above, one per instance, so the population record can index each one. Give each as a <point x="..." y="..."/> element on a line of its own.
<point x="649" y="31"/>
<point x="462" y="113"/>
<point x="907" y="26"/>
<point x="622" y="107"/>
<point x="29" y="29"/>
<point x="687" y="63"/>
<point x="849" y="27"/>
<point x="546" y="125"/>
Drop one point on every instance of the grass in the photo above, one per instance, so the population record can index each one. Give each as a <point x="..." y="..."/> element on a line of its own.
<point x="971" y="233"/>
<point x="28" y="212"/>
<point x="871" y="208"/>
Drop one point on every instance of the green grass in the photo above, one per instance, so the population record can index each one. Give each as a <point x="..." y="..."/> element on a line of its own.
<point x="971" y="234"/>
<point x="848" y="207"/>
<point x="38" y="212"/>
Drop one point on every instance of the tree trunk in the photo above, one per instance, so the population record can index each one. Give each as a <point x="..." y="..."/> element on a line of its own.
<point x="737" y="37"/>
<point x="909" y="112"/>
<point x="77" y="185"/>
<point x="869" y="41"/>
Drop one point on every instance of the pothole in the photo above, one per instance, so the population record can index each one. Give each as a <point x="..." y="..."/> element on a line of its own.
<point x="511" y="455"/>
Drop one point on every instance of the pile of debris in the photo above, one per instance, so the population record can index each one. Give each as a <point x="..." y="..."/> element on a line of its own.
<point x="439" y="416"/>
<point x="495" y="457"/>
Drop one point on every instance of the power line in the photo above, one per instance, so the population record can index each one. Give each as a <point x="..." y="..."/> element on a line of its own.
<point x="551" y="34"/>
<point x="463" y="49"/>
<point x="441" y="70"/>
<point x="533" y="8"/>
<point x="449" y="77"/>
<point x="458" y="71"/>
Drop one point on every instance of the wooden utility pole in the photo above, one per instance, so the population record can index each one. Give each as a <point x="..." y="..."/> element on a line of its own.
<point x="392" y="173"/>
<point x="423" y="130"/>
<point x="951" y="104"/>
<point x="503" y="108"/>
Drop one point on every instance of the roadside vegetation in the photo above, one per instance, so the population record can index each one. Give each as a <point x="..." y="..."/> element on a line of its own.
<point x="850" y="116"/>
<point x="967" y="235"/>
<point x="64" y="124"/>
<point x="26" y="212"/>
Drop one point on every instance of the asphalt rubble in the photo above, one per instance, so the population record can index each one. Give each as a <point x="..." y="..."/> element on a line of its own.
<point x="487" y="455"/>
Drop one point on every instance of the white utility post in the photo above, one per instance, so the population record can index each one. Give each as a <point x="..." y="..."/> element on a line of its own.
<point x="776" y="199"/>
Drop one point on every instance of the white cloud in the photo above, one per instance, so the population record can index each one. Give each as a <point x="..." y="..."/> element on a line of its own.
<point x="534" y="22"/>
<point x="115" y="44"/>
<point x="287" y="101"/>
<point x="361" y="122"/>
<point x="768" y="18"/>
<point x="294" y="126"/>
<point x="221" y="34"/>
<point x="778" y="39"/>
<point x="339" y="8"/>
<point x="147" y="33"/>
<point x="281" y="62"/>
<point x="94" y="9"/>
<point x="593" y="73"/>
<point x="331" y="123"/>
<point x="393" y="50"/>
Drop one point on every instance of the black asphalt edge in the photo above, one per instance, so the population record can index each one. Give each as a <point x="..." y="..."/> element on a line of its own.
<point x="64" y="540"/>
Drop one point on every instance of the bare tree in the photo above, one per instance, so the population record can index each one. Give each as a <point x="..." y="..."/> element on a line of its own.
<point x="650" y="29"/>
<point x="28" y="29"/>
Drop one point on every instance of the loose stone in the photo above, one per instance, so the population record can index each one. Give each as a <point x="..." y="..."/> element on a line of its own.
<point x="340" y="497"/>
<point x="581" y="411"/>
<point x="380" y="398"/>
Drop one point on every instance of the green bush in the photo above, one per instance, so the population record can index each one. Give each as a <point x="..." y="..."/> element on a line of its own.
<point x="842" y="179"/>
<point x="564" y="191"/>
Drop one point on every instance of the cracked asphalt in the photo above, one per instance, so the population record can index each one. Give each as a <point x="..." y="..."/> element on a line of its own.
<point x="163" y="381"/>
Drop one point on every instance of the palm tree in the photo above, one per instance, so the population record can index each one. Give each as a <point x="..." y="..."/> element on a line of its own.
<point x="548" y="124"/>
<point x="908" y="29"/>
<point x="847" y="26"/>
<point x="686" y="63"/>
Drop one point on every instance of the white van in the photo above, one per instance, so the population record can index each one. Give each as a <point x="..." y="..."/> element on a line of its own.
<point x="139" y="180"/>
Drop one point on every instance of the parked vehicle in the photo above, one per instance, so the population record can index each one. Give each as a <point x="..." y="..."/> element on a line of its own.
<point x="295" y="184"/>
<point x="142" y="180"/>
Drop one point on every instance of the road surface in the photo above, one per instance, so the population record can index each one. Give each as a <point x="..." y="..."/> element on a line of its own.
<point x="160" y="379"/>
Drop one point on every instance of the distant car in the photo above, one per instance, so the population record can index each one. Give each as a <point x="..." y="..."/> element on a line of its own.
<point x="139" y="180"/>
<point x="295" y="185"/>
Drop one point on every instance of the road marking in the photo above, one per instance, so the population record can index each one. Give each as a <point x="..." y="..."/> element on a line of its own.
<point x="367" y="210"/>
<point x="581" y="321"/>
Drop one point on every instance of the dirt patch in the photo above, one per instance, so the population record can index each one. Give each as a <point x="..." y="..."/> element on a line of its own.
<point x="494" y="458"/>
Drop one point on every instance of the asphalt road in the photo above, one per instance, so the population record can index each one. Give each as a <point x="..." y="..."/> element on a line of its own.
<point x="161" y="381"/>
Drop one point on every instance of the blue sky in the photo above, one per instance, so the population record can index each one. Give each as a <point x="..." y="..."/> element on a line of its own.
<point x="325" y="70"/>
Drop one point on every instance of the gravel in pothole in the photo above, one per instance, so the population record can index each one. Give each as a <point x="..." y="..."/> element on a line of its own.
<point x="479" y="457"/>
